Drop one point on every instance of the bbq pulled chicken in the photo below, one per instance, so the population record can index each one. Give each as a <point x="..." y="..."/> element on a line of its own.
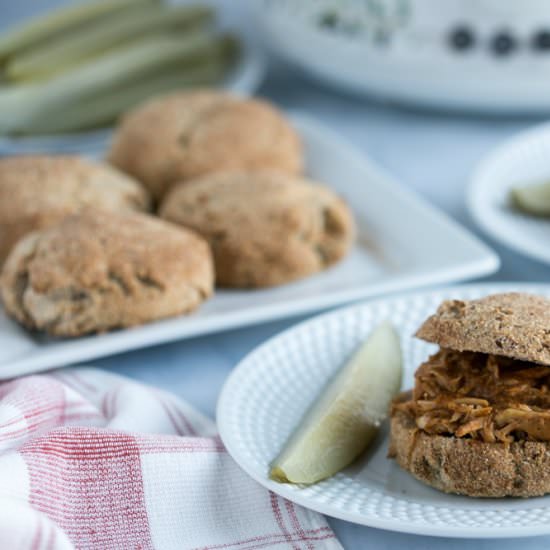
<point x="478" y="396"/>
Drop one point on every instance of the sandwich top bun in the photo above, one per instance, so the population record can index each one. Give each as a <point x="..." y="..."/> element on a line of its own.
<point x="515" y="325"/>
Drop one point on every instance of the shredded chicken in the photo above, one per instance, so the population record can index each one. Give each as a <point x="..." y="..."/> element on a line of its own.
<point x="484" y="397"/>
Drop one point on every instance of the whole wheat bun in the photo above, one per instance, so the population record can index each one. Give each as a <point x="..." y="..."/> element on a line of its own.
<point x="184" y="135"/>
<point x="265" y="228"/>
<point x="469" y="467"/>
<point x="97" y="271"/>
<point x="38" y="191"/>
<point x="515" y="325"/>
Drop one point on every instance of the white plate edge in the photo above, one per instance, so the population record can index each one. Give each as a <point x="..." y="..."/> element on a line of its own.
<point x="476" y="182"/>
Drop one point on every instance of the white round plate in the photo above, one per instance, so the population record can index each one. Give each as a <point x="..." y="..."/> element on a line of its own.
<point x="415" y="66"/>
<point x="243" y="80"/>
<point x="519" y="161"/>
<point x="269" y="391"/>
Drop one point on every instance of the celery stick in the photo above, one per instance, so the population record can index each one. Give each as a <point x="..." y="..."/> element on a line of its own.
<point x="60" y="21"/>
<point x="65" y="53"/>
<point x="20" y="105"/>
<point x="103" y="110"/>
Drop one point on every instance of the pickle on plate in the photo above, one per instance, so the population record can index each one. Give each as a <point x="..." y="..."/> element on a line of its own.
<point x="346" y="416"/>
<point x="532" y="199"/>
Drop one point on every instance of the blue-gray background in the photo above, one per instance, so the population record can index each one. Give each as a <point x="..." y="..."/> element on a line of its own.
<point x="433" y="153"/>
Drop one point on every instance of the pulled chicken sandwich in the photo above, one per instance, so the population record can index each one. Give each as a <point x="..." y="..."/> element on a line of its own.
<point x="477" y="421"/>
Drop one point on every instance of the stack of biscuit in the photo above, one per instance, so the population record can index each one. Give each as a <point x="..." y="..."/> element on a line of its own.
<point x="83" y="253"/>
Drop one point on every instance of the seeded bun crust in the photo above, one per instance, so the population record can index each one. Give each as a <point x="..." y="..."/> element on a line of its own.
<point x="37" y="191"/>
<point x="264" y="228"/>
<point x="185" y="135"/>
<point x="513" y="325"/>
<point x="469" y="467"/>
<point x="97" y="271"/>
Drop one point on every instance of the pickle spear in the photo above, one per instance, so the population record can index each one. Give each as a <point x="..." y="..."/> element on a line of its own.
<point x="344" y="419"/>
<point x="104" y="109"/>
<point x="95" y="40"/>
<point x="52" y="25"/>
<point x="532" y="199"/>
<point x="22" y="105"/>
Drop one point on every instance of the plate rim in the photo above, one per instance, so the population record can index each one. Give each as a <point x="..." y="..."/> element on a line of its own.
<point x="391" y="525"/>
<point x="477" y="183"/>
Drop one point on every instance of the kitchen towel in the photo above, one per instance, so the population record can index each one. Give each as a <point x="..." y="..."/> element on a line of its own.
<point x="90" y="460"/>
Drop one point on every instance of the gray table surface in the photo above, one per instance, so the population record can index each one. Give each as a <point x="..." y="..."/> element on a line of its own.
<point x="432" y="153"/>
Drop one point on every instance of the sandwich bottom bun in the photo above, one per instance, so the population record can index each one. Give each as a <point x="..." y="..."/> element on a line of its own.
<point x="470" y="467"/>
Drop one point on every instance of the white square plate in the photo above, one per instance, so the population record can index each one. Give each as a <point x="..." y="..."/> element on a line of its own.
<point x="403" y="243"/>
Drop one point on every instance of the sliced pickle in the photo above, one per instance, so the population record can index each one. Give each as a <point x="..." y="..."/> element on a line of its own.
<point x="344" y="419"/>
<point x="22" y="105"/>
<point x="59" y="22"/>
<point x="99" y="40"/>
<point x="532" y="199"/>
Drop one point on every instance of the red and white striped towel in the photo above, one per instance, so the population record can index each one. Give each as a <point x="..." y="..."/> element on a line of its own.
<point x="91" y="460"/>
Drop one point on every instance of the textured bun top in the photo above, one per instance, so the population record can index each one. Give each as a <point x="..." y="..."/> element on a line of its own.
<point x="513" y="325"/>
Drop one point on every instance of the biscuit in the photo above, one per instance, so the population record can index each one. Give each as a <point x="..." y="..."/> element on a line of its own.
<point x="37" y="191"/>
<point x="265" y="228"/>
<point x="470" y="467"/>
<point x="514" y="325"/>
<point x="185" y="135"/>
<point x="97" y="271"/>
